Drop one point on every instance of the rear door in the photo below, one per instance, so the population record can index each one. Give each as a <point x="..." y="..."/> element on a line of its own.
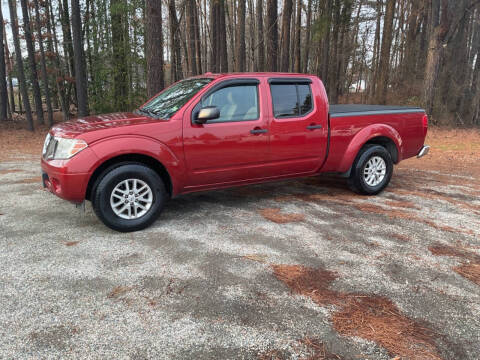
<point x="298" y="125"/>
<point x="233" y="147"/>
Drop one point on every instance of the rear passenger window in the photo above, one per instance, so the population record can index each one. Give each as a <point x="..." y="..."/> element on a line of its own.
<point x="291" y="100"/>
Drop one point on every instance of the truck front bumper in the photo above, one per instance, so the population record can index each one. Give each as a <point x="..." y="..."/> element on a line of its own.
<point x="60" y="181"/>
<point x="424" y="151"/>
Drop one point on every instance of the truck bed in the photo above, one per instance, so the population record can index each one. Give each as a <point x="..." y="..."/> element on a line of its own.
<point x="361" y="110"/>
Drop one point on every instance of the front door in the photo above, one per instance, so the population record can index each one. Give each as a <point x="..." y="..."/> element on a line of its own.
<point x="234" y="147"/>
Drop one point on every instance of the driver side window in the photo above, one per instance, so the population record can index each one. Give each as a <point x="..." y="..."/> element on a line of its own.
<point x="235" y="103"/>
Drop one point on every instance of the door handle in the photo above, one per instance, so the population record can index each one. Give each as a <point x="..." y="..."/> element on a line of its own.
<point x="314" y="127"/>
<point x="257" y="131"/>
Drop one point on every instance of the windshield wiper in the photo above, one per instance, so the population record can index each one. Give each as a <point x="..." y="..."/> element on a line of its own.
<point x="145" y="111"/>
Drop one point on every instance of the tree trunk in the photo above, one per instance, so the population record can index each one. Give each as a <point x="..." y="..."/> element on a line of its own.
<point x="306" y="54"/>
<point x="222" y="49"/>
<point x="154" y="47"/>
<point x="272" y="35"/>
<point x="298" y="38"/>
<point x="240" y="56"/>
<point x="79" y="61"/>
<point x="43" y="64"/>
<point x="384" y="65"/>
<point x="10" y="70"/>
<point x="175" y="55"/>
<point x="260" y="37"/>
<point x="50" y="53"/>
<point x="37" y="96"/>
<point x="120" y="65"/>
<point x="190" y="36"/>
<point x="285" y="43"/>
<point x="60" y="76"/>
<point x="214" y="35"/>
<point x="22" y="82"/>
<point x="3" y="75"/>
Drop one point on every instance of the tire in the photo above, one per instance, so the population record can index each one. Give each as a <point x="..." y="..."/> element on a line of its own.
<point x="124" y="181"/>
<point x="367" y="176"/>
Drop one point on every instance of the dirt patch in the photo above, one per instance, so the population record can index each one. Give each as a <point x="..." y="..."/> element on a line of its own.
<point x="470" y="269"/>
<point x="313" y="348"/>
<point x="71" y="243"/>
<point x="118" y="291"/>
<point x="36" y="179"/>
<point x="453" y="151"/>
<point x="275" y="215"/>
<point x="402" y="204"/>
<point x="402" y="214"/>
<point x="372" y="318"/>
<point x="14" y="140"/>
<point x="470" y="272"/>
<point x="447" y="250"/>
<point x="9" y="171"/>
<point x="401" y="237"/>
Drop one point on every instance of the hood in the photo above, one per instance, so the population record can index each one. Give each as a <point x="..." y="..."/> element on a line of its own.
<point x="86" y="124"/>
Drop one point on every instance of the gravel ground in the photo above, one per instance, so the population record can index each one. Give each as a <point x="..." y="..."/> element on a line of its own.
<point x="199" y="283"/>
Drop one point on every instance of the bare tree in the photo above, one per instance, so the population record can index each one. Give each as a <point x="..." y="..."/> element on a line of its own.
<point x="384" y="65"/>
<point x="286" y="20"/>
<point x="175" y="47"/>
<point x="260" y="37"/>
<point x="240" y="55"/>
<point x="272" y="35"/>
<point x="3" y="75"/>
<point x="43" y="64"/>
<point x="22" y="82"/>
<point x="154" y="47"/>
<point x="37" y="96"/>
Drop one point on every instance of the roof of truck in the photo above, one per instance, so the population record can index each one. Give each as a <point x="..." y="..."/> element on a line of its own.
<point x="282" y="74"/>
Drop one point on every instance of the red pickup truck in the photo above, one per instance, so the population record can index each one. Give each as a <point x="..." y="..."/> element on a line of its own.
<point x="220" y="130"/>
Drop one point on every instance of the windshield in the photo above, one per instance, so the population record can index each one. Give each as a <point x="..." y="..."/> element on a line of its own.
<point x="172" y="99"/>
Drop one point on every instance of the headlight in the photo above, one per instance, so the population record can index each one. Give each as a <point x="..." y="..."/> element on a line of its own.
<point x="60" y="148"/>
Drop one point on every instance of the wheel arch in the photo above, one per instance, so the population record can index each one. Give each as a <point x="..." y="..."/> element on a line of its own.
<point x="379" y="134"/>
<point x="146" y="160"/>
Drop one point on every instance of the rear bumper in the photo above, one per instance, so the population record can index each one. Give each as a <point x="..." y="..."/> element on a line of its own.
<point x="68" y="186"/>
<point x="424" y="151"/>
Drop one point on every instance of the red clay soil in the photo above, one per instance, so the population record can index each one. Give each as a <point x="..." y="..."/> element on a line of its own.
<point x="372" y="318"/>
<point x="278" y="217"/>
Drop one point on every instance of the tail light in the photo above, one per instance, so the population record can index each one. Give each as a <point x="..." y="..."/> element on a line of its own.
<point x="425" y="124"/>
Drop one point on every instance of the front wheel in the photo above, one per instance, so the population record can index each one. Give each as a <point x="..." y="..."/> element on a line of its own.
<point x="129" y="197"/>
<point x="372" y="170"/>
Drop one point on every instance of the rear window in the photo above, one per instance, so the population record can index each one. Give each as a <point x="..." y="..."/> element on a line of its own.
<point x="291" y="100"/>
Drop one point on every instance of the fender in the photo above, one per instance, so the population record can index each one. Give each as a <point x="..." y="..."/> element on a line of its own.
<point x="112" y="147"/>
<point x="365" y="135"/>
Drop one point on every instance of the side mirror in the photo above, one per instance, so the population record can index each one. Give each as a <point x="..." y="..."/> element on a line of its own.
<point x="207" y="113"/>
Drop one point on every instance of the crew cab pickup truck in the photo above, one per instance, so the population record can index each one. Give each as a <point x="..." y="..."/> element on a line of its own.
<point x="221" y="130"/>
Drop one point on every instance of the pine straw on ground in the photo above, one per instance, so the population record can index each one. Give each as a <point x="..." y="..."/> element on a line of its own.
<point x="373" y="318"/>
<point x="469" y="269"/>
<point x="275" y="215"/>
<point x="16" y="141"/>
<point x="470" y="272"/>
<point x="453" y="151"/>
<point x="314" y="348"/>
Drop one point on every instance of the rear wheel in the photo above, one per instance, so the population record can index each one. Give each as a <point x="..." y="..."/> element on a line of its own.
<point x="372" y="170"/>
<point x="129" y="197"/>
